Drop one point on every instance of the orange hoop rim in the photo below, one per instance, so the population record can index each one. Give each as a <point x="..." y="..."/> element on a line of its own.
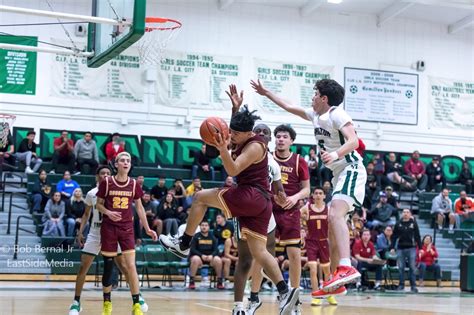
<point x="177" y="24"/>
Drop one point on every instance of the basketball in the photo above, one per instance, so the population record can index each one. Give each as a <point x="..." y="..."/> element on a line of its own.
<point x="210" y="127"/>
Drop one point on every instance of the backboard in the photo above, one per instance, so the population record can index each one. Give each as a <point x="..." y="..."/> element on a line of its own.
<point x="108" y="41"/>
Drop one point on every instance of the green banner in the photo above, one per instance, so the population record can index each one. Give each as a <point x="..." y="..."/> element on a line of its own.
<point x="18" y="68"/>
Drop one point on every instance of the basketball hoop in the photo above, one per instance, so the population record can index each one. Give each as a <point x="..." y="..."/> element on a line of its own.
<point x="158" y="33"/>
<point x="6" y="121"/>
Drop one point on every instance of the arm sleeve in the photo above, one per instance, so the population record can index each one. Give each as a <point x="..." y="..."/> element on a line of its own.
<point x="76" y="149"/>
<point x="435" y="255"/>
<point x="303" y="170"/>
<point x="215" y="247"/>
<point x="339" y="118"/>
<point x="407" y="167"/>
<point x="36" y="188"/>
<point x="394" y="237"/>
<point x="47" y="210"/>
<point x="96" y="152"/>
<point x="310" y="114"/>
<point x="63" y="210"/>
<point x="417" y="235"/>
<point x="356" y="248"/>
<point x="60" y="186"/>
<point x="88" y="200"/>
<point x="193" y="249"/>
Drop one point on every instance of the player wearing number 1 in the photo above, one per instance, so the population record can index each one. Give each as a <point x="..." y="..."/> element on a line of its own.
<point x="337" y="141"/>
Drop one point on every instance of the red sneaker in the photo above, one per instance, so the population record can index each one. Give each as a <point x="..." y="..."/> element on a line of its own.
<point x="220" y="286"/>
<point x="342" y="276"/>
<point x="321" y="294"/>
<point x="192" y="286"/>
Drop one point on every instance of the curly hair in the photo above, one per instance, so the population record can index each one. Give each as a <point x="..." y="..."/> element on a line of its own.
<point x="244" y="120"/>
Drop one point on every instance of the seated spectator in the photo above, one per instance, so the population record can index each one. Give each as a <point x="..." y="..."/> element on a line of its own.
<point x="442" y="210"/>
<point x="63" y="153"/>
<point x="435" y="175"/>
<point x="76" y="207"/>
<point x="364" y="251"/>
<point x="464" y="207"/>
<point x="327" y="188"/>
<point x="86" y="153"/>
<point x="393" y="172"/>
<point x="194" y="186"/>
<point x="392" y="198"/>
<point x="415" y="168"/>
<point x="158" y="191"/>
<point x="41" y="192"/>
<point x="382" y="213"/>
<point x="26" y="153"/>
<point x="114" y="147"/>
<point x="151" y="214"/>
<point x="168" y="213"/>
<point x="204" y="251"/>
<point x="53" y="216"/>
<point x="179" y="192"/>
<point x="202" y="162"/>
<point x="230" y="257"/>
<point x="66" y="186"/>
<point x="313" y="167"/>
<point x="7" y="152"/>
<point x="372" y="187"/>
<point x="379" y="170"/>
<point x="427" y="257"/>
<point x="224" y="230"/>
<point x="229" y="182"/>
<point x="384" y="241"/>
<point x="465" y="177"/>
<point x="141" y="183"/>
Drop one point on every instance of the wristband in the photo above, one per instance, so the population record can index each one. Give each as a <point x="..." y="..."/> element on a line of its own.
<point x="334" y="155"/>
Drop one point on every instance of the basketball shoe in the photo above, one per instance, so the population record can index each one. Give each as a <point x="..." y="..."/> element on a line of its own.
<point x="172" y="244"/>
<point x="75" y="308"/>
<point x="342" y="276"/>
<point x="107" y="308"/>
<point x="321" y="294"/>
<point x="238" y="310"/>
<point x="297" y="308"/>
<point x="252" y="307"/>
<point x="316" y="302"/>
<point x="136" y="309"/>
<point x="143" y="305"/>
<point x="288" y="300"/>
<point x="332" y="300"/>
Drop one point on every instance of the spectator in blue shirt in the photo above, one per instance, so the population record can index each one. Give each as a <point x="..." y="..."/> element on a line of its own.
<point x="66" y="186"/>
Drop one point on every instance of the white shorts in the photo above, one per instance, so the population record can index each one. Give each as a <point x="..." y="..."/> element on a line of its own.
<point x="93" y="243"/>
<point x="349" y="184"/>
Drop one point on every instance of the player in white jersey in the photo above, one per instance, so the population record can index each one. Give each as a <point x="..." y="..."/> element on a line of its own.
<point x="91" y="248"/>
<point x="337" y="142"/>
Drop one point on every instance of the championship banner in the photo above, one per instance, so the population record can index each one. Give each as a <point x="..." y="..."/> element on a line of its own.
<point x="451" y="103"/>
<point x="381" y="96"/>
<point x="119" y="80"/>
<point x="196" y="80"/>
<point x="291" y="81"/>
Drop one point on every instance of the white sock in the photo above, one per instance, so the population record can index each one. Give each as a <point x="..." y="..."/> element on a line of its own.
<point x="239" y="304"/>
<point x="451" y="226"/>
<point x="345" y="262"/>
<point x="377" y="283"/>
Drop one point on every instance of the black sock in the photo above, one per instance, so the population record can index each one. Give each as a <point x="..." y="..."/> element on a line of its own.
<point x="282" y="287"/>
<point x="136" y="298"/>
<point x="107" y="297"/>
<point x="77" y="298"/>
<point x="185" y="241"/>
<point x="191" y="279"/>
<point x="254" y="297"/>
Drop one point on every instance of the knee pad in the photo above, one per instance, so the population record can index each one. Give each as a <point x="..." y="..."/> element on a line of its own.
<point x="108" y="267"/>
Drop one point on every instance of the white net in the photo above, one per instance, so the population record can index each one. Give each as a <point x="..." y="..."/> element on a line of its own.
<point x="158" y="33"/>
<point x="6" y="121"/>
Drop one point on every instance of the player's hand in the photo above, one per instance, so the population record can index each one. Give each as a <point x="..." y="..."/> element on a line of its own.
<point x="291" y="202"/>
<point x="80" y="240"/>
<point x="221" y="144"/>
<point x="258" y="87"/>
<point x="152" y="234"/>
<point x="280" y="198"/>
<point x="114" y="216"/>
<point x="327" y="157"/>
<point x="236" y="98"/>
<point x="392" y="252"/>
<point x="305" y="213"/>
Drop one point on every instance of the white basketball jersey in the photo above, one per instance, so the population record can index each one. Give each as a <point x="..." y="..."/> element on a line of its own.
<point x="327" y="131"/>
<point x="274" y="172"/>
<point x="91" y="200"/>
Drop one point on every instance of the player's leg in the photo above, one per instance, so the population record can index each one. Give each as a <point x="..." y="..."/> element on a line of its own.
<point x="129" y="257"/>
<point x="195" y="264"/>
<point x="333" y="252"/>
<point x="121" y="265"/>
<point x="256" y="272"/>
<point x="242" y="269"/>
<point x="109" y="249"/>
<point x="294" y="257"/>
<point x="226" y="263"/>
<point x="86" y="263"/>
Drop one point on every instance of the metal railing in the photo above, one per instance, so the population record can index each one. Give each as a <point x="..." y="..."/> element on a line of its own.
<point x="4" y="181"/>
<point x="18" y="228"/>
<point x="11" y="205"/>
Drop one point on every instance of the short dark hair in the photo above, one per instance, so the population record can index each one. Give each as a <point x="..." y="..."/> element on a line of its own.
<point x="88" y="132"/>
<point x="30" y="132"/>
<point x="220" y="214"/>
<point x="197" y="177"/>
<point x="64" y="131"/>
<point x="115" y="134"/>
<point x="285" y="128"/>
<point x="101" y="167"/>
<point x="204" y="221"/>
<point x="332" y="90"/>
<point x="318" y="188"/>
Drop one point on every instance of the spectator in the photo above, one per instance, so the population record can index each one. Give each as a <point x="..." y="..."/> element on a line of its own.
<point x="114" y="147"/>
<point x="26" y="153"/>
<point x="53" y="216"/>
<point x="229" y="181"/>
<point x="465" y="177"/>
<point x="168" y="213"/>
<point x="382" y="213"/>
<point x="63" y="152"/>
<point x="141" y="183"/>
<point x="393" y="171"/>
<point x="203" y="162"/>
<point x="327" y="188"/>
<point x="371" y="186"/>
<point x="224" y="230"/>
<point x="204" y="251"/>
<point x="435" y="175"/>
<point x="7" y="151"/>
<point x="194" y="186"/>
<point x="86" y="153"/>
<point x="75" y="210"/>
<point x="151" y="213"/>
<point x="392" y="198"/>
<point x="406" y="237"/>
<point x="41" y="192"/>
<point x="464" y="207"/>
<point x="427" y="257"/>
<point x="384" y="241"/>
<point x="442" y="208"/>
<point x="158" y="191"/>
<point x="364" y="251"/>
<point x="66" y="186"/>
<point x="415" y="168"/>
<point x="379" y="166"/>
<point x="179" y="192"/>
<point x="313" y="167"/>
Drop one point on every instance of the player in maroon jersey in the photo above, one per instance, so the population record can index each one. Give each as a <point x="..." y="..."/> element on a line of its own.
<point x="114" y="201"/>
<point x="315" y="213"/>
<point x="249" y="201"/>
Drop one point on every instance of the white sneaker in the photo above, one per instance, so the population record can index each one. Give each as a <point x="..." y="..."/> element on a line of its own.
<point x="75" y="308"/>
<point x="52" y="172"/>
<point x="28" y="170"/>
<point x="143" y="305"/>
<point x="238" y="310"/>
<point x="252" y="307"/>
<point x="228" y="285"/>
<point x="288" y="300"/>
<point x="266" y="287"/>
<point x="77" y="173"/>
<point x="297" y="309"/>
<point x="171" y="243"/>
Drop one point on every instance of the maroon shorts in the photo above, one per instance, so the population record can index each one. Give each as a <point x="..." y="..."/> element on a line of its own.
<point x="288" y="226"/>
<point x="317" y="250"/>
<point x="250" y="206"/>
<point x="112" y="235"/>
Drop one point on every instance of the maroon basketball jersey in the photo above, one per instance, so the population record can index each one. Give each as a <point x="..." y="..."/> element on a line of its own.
<point x="257" y="173"/>
<point x="317" y="223"/>
<point x="119" y="197"/>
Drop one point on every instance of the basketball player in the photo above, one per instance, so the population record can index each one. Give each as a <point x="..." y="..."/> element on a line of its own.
<point x="92" y="246"/>
<point x="249" y="201"/>
<point x="114" y="200"/>
<point x="337" y="141"/>
<point x="315" y="213"/>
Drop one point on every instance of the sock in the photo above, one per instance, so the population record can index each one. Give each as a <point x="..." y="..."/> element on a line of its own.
<point x="239" y="304"/>
<point x="282" y="287"/>
<point x="451" y="226"/>
<point x="136" y="298"/>
<point x="77" y="298"/>
<point x="185" y="241"/>
<point x="191" y="279"/>
<point x="254" y="297"/>
<point x="345" y="262"/>
<point x="107" y="297"/>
